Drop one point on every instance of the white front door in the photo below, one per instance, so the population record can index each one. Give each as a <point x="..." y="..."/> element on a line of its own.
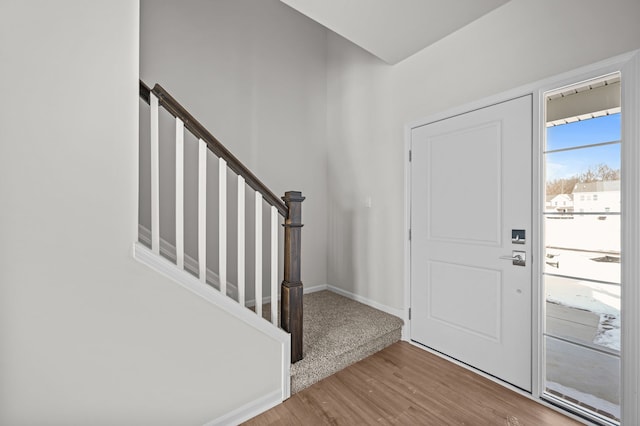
<point x="470" y="194"/>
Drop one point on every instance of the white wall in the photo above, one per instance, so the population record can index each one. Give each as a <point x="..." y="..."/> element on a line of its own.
<point x="88" y="335"/>
<point x="362" y="220"/>
<point x="254" y="73"/>
<point x="518" y="43"/>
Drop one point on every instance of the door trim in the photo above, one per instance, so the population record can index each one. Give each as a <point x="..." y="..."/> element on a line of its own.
<point x="629" y="65"/>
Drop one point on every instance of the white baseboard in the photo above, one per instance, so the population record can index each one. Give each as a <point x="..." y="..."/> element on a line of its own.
<point x="315" y="288"/>
<point x="379" y="306"/>
<point x="248" y="411"/>
<point x="168" y="251"/>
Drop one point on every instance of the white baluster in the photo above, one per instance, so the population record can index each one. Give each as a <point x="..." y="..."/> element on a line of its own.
<point x="179" y="194"/>
<point x="258" y="264"/>
<point x="155" y="176"/>
<point x="222" y="225"/>
<point x="202" y="210"/>
<point x="241" y="226"/>
<point x="274" y="266"/>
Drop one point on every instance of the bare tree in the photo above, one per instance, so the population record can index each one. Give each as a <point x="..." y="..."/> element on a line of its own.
<point x="601" y="172"/>
<point x="561" y="186"/>
<point x="607" y="173"/>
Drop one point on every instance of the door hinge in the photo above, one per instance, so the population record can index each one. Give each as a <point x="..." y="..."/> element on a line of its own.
<point x="409" y="155"/>
<point x="409" y="234"/>
<point x="409" y="313"/>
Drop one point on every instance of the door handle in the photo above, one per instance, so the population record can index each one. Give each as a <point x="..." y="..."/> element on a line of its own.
<point x="518" y="258"/>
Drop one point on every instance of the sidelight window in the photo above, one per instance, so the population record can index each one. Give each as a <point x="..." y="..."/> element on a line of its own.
<point x="581" y="275"/>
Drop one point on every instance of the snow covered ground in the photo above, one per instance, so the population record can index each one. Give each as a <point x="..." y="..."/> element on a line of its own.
<point x="586" y="233"/>
<point x="583" y="232"/>
<point x="586" y="375"/>
<point x="601" y="299"/>
<point x="609" y="332"/>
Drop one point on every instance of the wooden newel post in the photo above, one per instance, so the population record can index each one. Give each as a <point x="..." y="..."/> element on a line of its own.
<point x="291" y="289"/>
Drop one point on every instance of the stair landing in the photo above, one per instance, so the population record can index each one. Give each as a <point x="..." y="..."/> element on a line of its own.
<point x="337" y="333"/>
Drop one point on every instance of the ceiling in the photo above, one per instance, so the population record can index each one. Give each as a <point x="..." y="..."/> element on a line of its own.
<point x="393" y="30"/>
<point x="585" y="100"/>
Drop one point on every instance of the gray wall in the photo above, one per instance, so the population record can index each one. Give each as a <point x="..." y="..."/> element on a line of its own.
<point x="363" y="220"/>
<point x="88" y="335"/>
<point x="369" y="104"/>
<point x="254" y="73"/>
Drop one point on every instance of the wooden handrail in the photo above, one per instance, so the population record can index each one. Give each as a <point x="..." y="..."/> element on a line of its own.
<point x="144" y="92"/>
<point x="291" y="209"/>
<point x="199" y="131"/>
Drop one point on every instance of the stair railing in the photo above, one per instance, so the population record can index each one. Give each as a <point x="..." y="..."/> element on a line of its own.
<point x="291" y="288"/>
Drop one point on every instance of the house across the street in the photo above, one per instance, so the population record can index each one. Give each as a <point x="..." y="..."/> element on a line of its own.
<point x="602" y="196"/>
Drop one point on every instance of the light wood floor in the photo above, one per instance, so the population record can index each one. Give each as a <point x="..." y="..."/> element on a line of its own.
<point x="408" y="386"/>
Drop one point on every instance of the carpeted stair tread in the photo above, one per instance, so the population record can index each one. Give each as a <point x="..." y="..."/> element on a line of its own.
<point x="337" y="333"/>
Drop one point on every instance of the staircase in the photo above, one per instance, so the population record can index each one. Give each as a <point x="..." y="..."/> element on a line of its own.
<point x="337" y="333"/>
<point x="334" y="332"/>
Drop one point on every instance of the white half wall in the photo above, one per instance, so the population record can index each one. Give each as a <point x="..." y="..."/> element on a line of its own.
<point x="369" y="103"/>
<point x="87" y="334"/>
